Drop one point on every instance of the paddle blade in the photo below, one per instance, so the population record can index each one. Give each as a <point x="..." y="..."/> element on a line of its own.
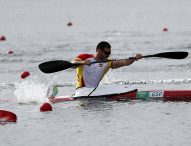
<point x="170" y="55"/>
<point x="55" y="66"/>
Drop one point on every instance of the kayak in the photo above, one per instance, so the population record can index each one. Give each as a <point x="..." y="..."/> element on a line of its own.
<point x="164" y="95"/>
<point x="124" y="93"/>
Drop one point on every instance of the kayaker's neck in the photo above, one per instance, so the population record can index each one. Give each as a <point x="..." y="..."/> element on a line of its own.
<point x="99" y="56"/>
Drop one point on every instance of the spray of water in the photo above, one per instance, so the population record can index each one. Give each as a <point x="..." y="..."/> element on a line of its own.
<point x="30" y="91"/>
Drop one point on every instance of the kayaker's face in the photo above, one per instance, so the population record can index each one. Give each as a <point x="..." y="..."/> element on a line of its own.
<point x="106" y="52"/>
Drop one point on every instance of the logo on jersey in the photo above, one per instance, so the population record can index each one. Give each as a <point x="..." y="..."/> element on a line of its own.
<point x="100" y="65"/>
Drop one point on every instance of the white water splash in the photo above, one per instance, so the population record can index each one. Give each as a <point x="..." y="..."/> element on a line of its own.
<point x="29" y="91"/>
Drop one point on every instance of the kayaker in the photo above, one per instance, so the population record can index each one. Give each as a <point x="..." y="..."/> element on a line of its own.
<point x="89" y="75"/>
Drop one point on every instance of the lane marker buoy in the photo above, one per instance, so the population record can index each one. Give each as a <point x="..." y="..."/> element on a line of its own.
<point x="46" y="107"/>
<point x="10" y="52"/>
<point x="165" y="29"/>
<point x="25" y="74"/>
<point x="69" y="24"/>
<point x="7" y="116"/>
<point x="2" y="38"/>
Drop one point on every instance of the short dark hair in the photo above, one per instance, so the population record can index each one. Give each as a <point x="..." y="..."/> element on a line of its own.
<point x="103" y="45"/>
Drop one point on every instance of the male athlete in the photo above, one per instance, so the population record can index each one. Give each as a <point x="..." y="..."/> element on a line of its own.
<point x="89" y="75"/>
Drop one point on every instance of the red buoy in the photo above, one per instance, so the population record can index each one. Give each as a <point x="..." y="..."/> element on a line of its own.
<point x="46" y="107"/>
<point x="10" y="52"/>
<point x="2" y="38"/>
<point x="165" y="29"/>
<point x="7" y="116"/>
<point x="25" y="74"/>
<point x="69" y="24"/>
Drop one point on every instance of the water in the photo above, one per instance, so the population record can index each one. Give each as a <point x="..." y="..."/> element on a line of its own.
<point x="37" y="32"/>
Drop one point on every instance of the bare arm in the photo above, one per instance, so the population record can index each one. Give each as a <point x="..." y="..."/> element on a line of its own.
<point x="125" y="62"/>
<point x="82" y="62"/>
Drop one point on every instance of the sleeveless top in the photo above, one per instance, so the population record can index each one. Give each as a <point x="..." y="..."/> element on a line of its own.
<point x="90" y="75"/>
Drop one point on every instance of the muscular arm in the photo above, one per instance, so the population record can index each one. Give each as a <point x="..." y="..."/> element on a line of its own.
<point x="125" y="62"/>
<point x="81" y="58"/>
<point x="77" y="60"/>
<point x="120" y="63"/>
<point x="82" y="62"/>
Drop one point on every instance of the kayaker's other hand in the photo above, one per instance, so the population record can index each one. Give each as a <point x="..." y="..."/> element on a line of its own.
<point x="87" y="62"/>
<point x="138" y="56"/>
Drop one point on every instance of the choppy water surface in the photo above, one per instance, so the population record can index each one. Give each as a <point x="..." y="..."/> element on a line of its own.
<point x="37" y="32"/>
